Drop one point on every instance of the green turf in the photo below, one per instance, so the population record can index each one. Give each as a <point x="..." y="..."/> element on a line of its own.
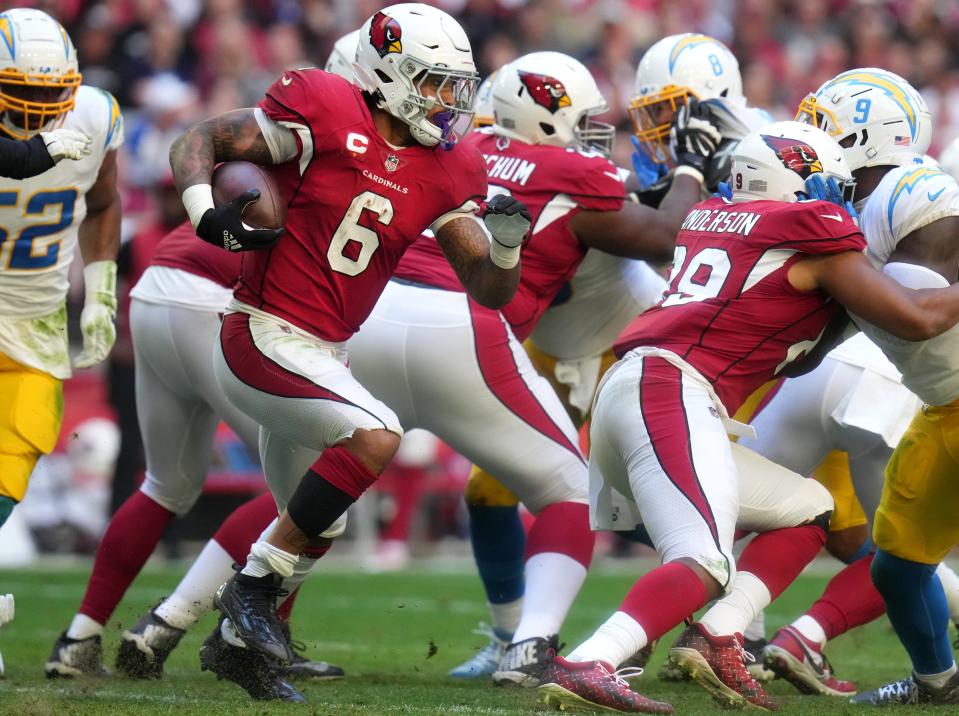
<point x="396" y="635"/>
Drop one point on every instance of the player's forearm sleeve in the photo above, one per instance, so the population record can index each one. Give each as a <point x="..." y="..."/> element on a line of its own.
<point x="21" y="160"/>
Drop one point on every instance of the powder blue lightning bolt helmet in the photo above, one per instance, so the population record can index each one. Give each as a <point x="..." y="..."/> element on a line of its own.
<point x="877" y="117"/>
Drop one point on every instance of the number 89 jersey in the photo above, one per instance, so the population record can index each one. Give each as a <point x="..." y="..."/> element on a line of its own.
<point x="40" y="216"/>
<point x="730" y="310"/>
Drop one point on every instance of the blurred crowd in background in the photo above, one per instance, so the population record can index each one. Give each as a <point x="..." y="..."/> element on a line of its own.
<point x="172" y="62"/>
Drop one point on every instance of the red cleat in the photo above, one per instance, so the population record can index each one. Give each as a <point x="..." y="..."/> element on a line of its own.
<point x="801" y="662"/>
<point x="718" y="664"/>
<point x="592" y="686"/>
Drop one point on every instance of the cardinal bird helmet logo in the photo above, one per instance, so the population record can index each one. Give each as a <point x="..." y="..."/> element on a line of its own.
<point x="546" y="91"/>
<point x="385" y="34"/>
<point x="795" y="155"/>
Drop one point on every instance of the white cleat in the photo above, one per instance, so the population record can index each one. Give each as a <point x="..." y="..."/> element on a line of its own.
<point x="486" y="660"/>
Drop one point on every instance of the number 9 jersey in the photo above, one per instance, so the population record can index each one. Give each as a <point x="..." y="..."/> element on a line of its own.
<point x="39" y="223"/>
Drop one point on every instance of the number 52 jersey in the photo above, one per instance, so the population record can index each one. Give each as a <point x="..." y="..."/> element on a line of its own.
<point x="39" y="222"/>
<point x="730" y="311"/>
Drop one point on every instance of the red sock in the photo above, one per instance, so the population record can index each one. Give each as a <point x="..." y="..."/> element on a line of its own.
<point x="562" y="527"/>
<point x="849" y="600"/>
<point x="130" y="539"/>
<point x="777" y="557"/>
<point x="244" y="525"/>
<point x="662" y="598"/>
<point x="286" y="608"/>
<point x="407" y="491"/>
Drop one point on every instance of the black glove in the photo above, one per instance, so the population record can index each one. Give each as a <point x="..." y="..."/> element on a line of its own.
<point x="694" y="135"/>
<point x="224" y="226"/>
<point x="508" y="220"/>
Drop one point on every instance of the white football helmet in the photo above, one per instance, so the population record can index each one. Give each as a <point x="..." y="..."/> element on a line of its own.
<point x="412" y="57"/>
<point x="340" y="61"/>
<point x="550" y="98"/>
<point x="483" y="116"/>
<point x="775" y="161"/>
<point x="876" y="116"/>
<point x="949" y="159"/>
<point x="672" y="70"/>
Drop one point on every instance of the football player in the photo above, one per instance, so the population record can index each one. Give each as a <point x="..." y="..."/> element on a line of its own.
<point x="749" y="295"/>
<point x="571" y="342"/>
<point x="909" y="217"/>
<point x="366" y="169"/>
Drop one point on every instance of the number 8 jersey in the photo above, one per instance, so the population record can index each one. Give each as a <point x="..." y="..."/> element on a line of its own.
<point x="730" y="311"/>
<point x="39" y="223"/>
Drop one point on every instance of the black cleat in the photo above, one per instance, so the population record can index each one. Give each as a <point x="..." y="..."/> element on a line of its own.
<point x="250" y="603"/>
<point x="525" y="661"/>
<point x="144" y="648"/>
<point x="911" y="692"/>
<point x="303" y="668"/>
<point x="75" y="657"/>
<point x="246" y="667"/>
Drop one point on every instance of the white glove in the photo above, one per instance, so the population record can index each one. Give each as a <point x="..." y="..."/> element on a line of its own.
<point x="66" y="143"/>
<point x="99" y="310"/>
<point x="508" y="221"/>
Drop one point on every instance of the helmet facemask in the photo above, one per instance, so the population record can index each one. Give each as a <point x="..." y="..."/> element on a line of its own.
<point x="452" y="91"/>
<point x="30" y="102"/>
<point x="652" y="117"/>
<point x="591" y="134"/>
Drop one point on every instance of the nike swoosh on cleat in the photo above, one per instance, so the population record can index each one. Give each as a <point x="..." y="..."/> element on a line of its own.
<point x="834" y="217"/>
<point x="933" y="197"/>
<point x="286" y="80"/>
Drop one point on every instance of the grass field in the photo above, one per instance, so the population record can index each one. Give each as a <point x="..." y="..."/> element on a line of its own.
<point x="382" y="630"/>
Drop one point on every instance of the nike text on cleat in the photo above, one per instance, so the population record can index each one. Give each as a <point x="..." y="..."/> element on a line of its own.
<point x="486" y="660"/>
<point x="594" y="686"/>
<point x="911" y="691"/>
<point x="250" y="604"/>
<point x="525" y="661"/>
<point x="75" y="657"/>
<point x="144" y="648"/>
<point x="718" y="664"/>
<point x="303" y="668"/>
<point x="248" y="668"/>
<point x="800" y="661"/>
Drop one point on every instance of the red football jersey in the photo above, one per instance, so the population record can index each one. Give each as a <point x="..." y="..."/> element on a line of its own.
<point x="181" y="249"/>
<point x="555" y="184"/>
<point x="730" y="310"/>
<point x="355" y="204"/>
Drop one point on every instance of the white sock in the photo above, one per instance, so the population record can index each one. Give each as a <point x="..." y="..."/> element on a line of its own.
<point x="193" y="596"/>
<point x="505" y="617"/>
<point x="756" y="631"/>
<point x="83" y="627"/>
<point x="736" y="611"/>
<point x="552" y="582"/>
<point x="811" y="629"/>
<point x="614" y="642"/>
<point x="937" y="681"/>
<point x="266" y="559"/>
<point x="950" y="585"/>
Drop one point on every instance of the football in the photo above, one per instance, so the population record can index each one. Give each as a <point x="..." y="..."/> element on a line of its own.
<point x="231" y="179"/>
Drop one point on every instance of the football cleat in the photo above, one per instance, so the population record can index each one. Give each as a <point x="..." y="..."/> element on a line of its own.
<point x="718" y="664"/>
<point x="910" y="692"/>
<point x="482" y="664"/>
<point x="593" y="685"/>
<point x="248" y="668"/>
<point x="303" y="668"/>
<point x="76" y="657"/>
<point x="250" y="604"/>
<point x="525" y="661"/>
<point x="144" y="648"/>
<point x="757" y="666"/>
<point x="800" y="661"/>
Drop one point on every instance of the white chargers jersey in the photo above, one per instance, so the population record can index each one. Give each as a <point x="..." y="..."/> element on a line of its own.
<point x="39" y="223"/>
<point x="607" y="292"/>
<point x="908" y="198"/>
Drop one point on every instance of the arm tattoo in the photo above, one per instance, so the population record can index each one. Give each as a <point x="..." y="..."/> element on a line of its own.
<point x="231" y="136"/>
<point x="465" y="247"/>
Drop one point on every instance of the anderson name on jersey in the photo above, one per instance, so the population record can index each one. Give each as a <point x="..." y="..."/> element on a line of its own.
<point x="39" y="224"/>
<point x="355" y="204"/>
<point x="907" y="199"/>
<point x="730" y="311"/>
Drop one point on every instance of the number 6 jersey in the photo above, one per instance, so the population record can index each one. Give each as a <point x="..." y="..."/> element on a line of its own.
<point x="39" y="222"/>
<point x="355" y="204"/>
<point x="730" y="310"/>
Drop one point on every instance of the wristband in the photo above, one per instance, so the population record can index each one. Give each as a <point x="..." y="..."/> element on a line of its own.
<point x="684" y="169"/>
<point x="197" y="199"/>
<point x="506" y="257"/>
<point x="100" y="283"/>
